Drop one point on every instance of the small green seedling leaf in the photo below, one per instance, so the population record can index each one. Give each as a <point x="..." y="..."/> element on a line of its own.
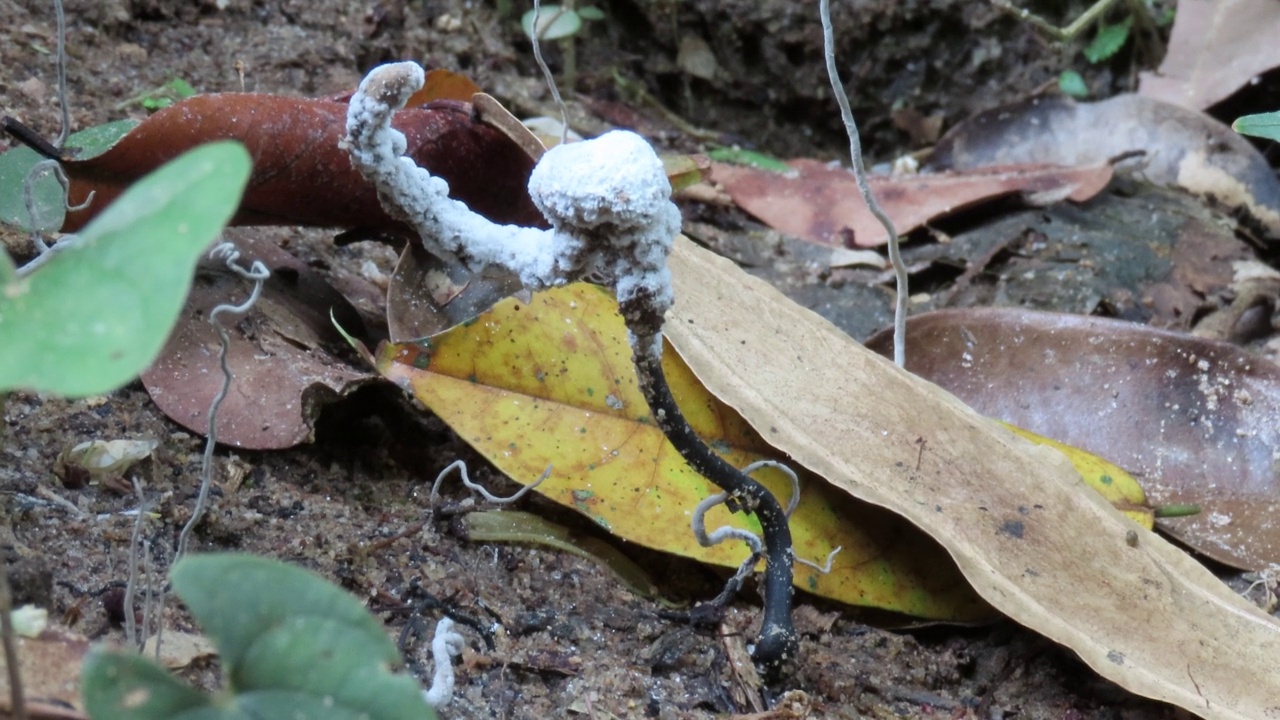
<point x="50" y="210"/>
<point x="127" y="685"/>
<point x="97" y="314"/>
<point x="8" y="272"/>
<point x="1108" y="41"/>
<point x="167" y="94"/>
<point x="750" y="158"/>
<point x="92" y="142"/>
<point x="1263" y="125"/>
<point x="291" y="645"/>
<point x="554" y="23"/>
<point x="1072" y="84"/>
<point x="590" y="12"/>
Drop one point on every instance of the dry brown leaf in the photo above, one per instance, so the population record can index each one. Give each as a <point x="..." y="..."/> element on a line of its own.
<point x="1216" y="48"/>
<point x="1015" y="517"/>
<point x="1197" y="421"/>
<point x="50" y="669"/>
<point x="821" y="203"/>
<point x="427" y="295"/>
<point x="1179" y="147"/>
<point x="180" y="649"/>
<point x="281" y="353"/>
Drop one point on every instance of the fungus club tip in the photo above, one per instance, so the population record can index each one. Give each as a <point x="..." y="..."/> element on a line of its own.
<point x="614" y="179"/>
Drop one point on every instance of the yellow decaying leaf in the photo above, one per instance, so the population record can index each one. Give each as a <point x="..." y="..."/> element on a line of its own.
<point x="1109" y="479"/>
<point x="552" y="383"/>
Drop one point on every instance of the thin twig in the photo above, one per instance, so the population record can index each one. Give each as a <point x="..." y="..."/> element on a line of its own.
<point x="535" y="35"/>
<point x="131" y="585"/>
<point x="17" y="702"/>
<point x="65" y="131"/>
<point x="60" y="501"/>
<point x="860" y="175"/>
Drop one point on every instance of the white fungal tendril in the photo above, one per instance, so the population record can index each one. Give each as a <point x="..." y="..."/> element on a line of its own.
<point x="795" y="480"/>
<point x="607" y="199"/>
<point x="725" y="532"/>
<point x="257" y="273"/>
<point x="698" y="523"/>
<point x="46" y="252"/>
<point x="824" y="568"/>
<point x="446" y="645"/>
<point x="461" y="467"/>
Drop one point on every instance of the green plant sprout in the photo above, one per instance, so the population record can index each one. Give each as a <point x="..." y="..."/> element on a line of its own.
<point x="1261" y="125"/>
<point x="99" y="310"/>
<point x="563" y="23"/>
<point x="161" y="97"/>
<point x="291" y="645"/>
<point x="1107" y="41"/>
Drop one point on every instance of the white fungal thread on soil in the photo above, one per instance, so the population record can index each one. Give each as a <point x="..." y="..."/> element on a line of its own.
<point x="860" y="176"/>
<point x="535" y="38"/>
<point x="461" y="467"/>
<point x="446" y="644"/>
<point x="698" y="523"/>
<point x="258" y="274"/>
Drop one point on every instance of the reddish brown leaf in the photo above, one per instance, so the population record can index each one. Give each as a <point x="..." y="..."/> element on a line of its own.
<point x="280" y="353"/>
<point x="1195" y="421"/>
<point x="444" y="84"/>
<point x="300" y="175"/>
<point x="822" y="204"/>
<point x="440" y="84"/>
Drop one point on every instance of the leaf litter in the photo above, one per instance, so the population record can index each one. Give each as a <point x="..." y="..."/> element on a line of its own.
<point x="551" y="383"/>
<point x="300" y="175"/>
<point x="232" y="18"/>
<point x="283" y="354"/>
<point x="1164" y="144"/>
<point x="820" y="203"/>
<point x="1216" y="48"/>
<point x="1012" y="515"/>
<point x="1197" y="421"/>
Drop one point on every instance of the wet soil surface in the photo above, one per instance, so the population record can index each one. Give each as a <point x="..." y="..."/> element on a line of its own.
<point x="351" y="505"/>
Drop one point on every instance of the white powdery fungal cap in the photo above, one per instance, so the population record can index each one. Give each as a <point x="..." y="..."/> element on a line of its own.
<point x="608" y="201"/>
<point x="615" y="179"/>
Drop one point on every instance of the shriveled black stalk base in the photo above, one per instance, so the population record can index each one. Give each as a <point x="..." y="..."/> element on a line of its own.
<point x="775" y="651"/>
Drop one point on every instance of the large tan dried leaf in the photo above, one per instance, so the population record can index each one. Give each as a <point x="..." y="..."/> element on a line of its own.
<point x="1216" y="48"/>
<point x="1015" y="517"/>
